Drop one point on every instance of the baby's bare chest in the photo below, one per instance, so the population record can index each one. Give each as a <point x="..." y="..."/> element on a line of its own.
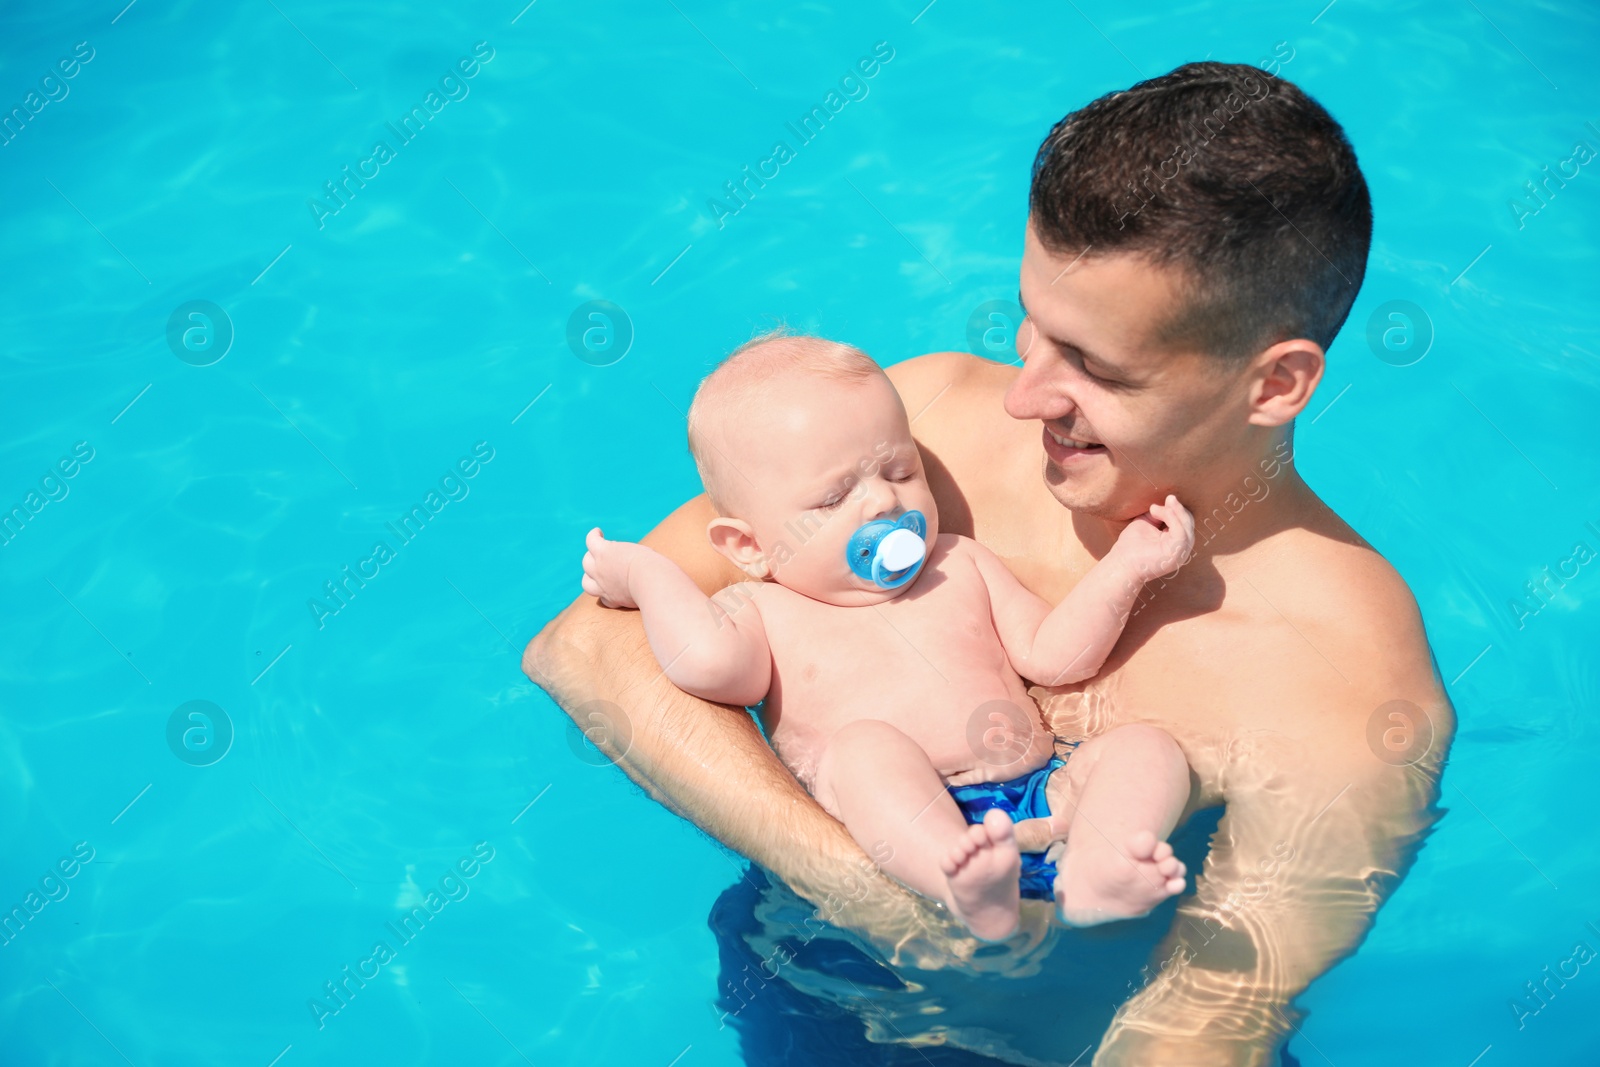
<point x="933" y="648"/>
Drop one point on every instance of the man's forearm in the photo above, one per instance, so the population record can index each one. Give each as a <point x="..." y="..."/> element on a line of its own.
<point x="1290" y="886"/>
<point x="706" y="762"/>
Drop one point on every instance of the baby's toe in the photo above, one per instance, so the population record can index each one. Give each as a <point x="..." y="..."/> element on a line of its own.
<point x="1142" y="845"/>
<point x="997" y="827"/>
<point x="1162" y="851"/>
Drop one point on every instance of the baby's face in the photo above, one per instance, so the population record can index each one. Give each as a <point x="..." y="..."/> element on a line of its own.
<point x="822" y="458"/>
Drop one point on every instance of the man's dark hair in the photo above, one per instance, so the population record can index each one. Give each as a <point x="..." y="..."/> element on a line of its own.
<point x="1237" y="178"/>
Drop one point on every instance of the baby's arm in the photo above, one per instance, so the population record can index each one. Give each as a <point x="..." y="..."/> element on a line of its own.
<point x="1070" y="642"/>
<point x="708" y="652"/>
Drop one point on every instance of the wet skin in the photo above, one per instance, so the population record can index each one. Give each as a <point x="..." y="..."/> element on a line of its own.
<point x="1265" y="658"/>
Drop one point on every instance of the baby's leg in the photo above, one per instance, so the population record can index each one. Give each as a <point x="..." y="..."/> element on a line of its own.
<point x="881" y="785"/>
<point x="1117" y="807"/>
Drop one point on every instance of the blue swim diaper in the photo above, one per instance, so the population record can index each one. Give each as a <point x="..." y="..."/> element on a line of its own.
<point x="1021" y="798"/>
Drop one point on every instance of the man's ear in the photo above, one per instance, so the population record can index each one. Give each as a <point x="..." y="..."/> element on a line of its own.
<point x="735" y="539"/>
<point x="1286" y="376"/>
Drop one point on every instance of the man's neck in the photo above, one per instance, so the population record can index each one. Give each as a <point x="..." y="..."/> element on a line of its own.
<point x="1229" y="520"/>
<point x="1230" y="513"/>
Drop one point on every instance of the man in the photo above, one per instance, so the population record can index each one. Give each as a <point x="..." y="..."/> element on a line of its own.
<point x="1193" y="246"/>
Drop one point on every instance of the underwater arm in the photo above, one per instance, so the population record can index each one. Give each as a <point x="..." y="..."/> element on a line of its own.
<point x="1298" y="868"/>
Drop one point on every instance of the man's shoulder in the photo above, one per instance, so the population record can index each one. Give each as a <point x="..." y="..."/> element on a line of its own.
<point x="1333" y="566"/>
<point x="1335" y="549"/>
<point x="934" y="367"/>
<point x="958" y="378"/>
<point x="955" y="402"/>
<point x="1336" y="591"/>
<point x="1355" y="611"/>
<point x="1319" y="638"/>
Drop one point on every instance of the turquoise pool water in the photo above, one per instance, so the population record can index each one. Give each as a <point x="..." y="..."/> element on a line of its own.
<point x="386" y="342"/>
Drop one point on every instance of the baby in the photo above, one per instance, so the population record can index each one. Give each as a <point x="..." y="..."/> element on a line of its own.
<point x="891" y="657"/>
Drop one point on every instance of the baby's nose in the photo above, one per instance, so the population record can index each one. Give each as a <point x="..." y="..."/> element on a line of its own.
<point x="882" y="504"/>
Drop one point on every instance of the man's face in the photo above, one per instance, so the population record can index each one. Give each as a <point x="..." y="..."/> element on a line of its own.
<point x="1158" y="419"/>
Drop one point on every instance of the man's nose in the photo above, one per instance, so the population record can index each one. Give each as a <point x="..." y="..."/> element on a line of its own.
<point x="1036" y="393"/>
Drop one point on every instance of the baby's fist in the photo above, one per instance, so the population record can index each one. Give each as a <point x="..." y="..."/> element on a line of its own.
<point x="1158" y="542"/>
<point x="605" y="569"/>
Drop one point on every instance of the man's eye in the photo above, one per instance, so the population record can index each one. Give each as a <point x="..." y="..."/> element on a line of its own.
<point x="1072" y="355"/>
<point x="1092" y="376"/>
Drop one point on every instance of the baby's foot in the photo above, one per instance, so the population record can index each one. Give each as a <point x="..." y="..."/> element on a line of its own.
<point x="1104" y="884"/>
<point x="982" y="870"/>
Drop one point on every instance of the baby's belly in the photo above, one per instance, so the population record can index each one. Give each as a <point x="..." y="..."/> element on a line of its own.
<point x="929" y="664"/>
<point x="967" y="710"/>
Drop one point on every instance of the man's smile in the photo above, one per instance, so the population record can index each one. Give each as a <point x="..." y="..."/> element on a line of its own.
<point x="1062" y="449"/>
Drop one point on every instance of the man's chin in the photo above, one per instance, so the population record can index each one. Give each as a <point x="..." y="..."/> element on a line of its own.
<point x="1091" y="499"/>
<point x="1076" y="498"/>
<point x="1073" y="490"/>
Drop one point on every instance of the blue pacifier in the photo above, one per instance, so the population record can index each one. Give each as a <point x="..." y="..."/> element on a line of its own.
<point x="889" y="552"/>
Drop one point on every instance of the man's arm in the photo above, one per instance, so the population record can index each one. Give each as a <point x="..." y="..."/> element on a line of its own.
<point x="1285" y="895"/>
<point x="1318" y="831"/>
<point x="706" y="762"/>
<point x="705" y="650"/>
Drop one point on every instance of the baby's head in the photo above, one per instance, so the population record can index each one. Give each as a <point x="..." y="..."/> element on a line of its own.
<point x="800" y="441"/>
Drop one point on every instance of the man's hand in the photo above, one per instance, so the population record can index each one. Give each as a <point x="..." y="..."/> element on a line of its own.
<point x="911" y="931"/>
<point x="1158" y="542"/>
<point x="606" y="566"/>
<point x="1035" y="835"/>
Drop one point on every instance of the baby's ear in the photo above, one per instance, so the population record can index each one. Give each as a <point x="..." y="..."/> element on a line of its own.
<point x="736" y="540"/>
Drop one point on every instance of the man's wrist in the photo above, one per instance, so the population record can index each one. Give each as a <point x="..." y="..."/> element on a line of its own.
<point x="823" y="862"/>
